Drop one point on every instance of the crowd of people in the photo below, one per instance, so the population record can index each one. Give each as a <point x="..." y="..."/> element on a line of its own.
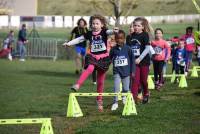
<point x="130" y="55"/>
<point x="8" y="51"/>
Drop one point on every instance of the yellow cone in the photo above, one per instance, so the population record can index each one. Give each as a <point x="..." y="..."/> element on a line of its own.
<point x="46" y="127"/>
<point x="194" y="72"/>
<point x="150" y="83"/>
<point x="183" y="82"/>
<point x="173" y="77"/>
<point x="74" y="109"/>
<point x="120" y="90"/>
<point x="129" y="108"/>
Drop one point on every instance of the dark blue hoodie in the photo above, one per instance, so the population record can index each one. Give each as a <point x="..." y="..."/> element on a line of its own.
<point x="123" y="60"/>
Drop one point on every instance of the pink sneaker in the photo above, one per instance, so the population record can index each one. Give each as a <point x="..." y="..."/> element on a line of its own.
<point x="100" y="105"/>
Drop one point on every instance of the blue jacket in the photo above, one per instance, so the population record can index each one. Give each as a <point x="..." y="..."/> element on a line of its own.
<point x="22" y="35"/>
<point x="180" y="56"/>
<point x="123" y="60"/>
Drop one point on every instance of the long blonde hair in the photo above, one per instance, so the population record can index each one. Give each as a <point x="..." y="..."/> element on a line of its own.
<point x="101" y="18"/>
<point x="147" y="27"/>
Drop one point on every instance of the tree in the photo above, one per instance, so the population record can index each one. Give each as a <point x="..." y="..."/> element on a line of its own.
<point x="128" y="6"/>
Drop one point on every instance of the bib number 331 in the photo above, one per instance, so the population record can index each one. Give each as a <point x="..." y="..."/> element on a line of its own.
<point x="120" y="62"/>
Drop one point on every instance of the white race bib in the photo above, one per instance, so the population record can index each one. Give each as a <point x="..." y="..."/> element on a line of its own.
<point x="136" y="52"/>
<point x="158" y="50"/>
<point x="190" y="41"/>
<point x="120" y="62"/>
<point x="98" y="47"/>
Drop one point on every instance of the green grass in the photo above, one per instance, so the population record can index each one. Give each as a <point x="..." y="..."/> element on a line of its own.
<point x="40" y="89"/>
<point x="170" y="30"/>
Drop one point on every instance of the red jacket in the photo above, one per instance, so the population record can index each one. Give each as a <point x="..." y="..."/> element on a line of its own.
<point x="189" y="42"/>
<point x="160" y="47"/>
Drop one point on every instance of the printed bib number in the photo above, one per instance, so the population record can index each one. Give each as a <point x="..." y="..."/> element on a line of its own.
<point x="136" y="52"/>
<point x="190" y="41"/>
<point x="98" y="47"/>
<point x="158" y="50"/>
<point x="120" y="62"/>
<point x="180" y="56"/>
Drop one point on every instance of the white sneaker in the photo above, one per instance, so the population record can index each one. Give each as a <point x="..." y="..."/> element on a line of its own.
<point x="186" y="73"/>
<point x="114" y="106"/>
<point x="21" y="59"/>
<point x="124" y="100"/>
<point x="75" y="87"/>
<point x="10" y="57"/>
<point x="94" y="83"/>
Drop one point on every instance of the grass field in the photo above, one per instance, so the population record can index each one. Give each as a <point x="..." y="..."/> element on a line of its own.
<point x="170" y="30"/>
<point x="40" y="88"/>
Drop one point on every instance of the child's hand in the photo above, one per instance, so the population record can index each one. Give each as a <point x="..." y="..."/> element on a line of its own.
<point x="66" y="44"/>
<point x="137" y="61"/>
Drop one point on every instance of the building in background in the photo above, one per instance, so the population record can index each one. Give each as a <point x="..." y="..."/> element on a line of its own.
<point x="18" y="7"/>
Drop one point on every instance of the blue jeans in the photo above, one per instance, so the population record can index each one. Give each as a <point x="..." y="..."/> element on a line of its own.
<point x="125" y="85"/>
<point x="188" y="60"/>
<point x="21" y="50"/>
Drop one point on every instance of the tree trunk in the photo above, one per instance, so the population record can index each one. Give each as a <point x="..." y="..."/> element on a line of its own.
<point x="117" y="11"/>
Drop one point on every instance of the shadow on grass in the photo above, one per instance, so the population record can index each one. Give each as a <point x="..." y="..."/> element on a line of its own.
<point x="51" y="74"/>
<point x="60" y="74"/>
<point x="197" y="93"/>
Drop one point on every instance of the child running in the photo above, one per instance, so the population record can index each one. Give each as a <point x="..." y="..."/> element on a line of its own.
<point x="80" y="47"/>
<point x="189" y="47"/>
<point x="140" y="44"/>
<point x="159" y="45"/>
<point x="174" y="45"/>
<point x="180" y="58"/>
<point x="98" y="58"/>
<point x="123" y="66"/>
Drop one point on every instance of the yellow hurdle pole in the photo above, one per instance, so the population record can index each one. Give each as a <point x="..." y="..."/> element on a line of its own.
<point x="99" y="94"/>
<point x="23" y="121"/>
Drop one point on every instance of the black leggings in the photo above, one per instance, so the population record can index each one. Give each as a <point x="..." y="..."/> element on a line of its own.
<point x="158" y="70"/>
<point x="180" y="69"/>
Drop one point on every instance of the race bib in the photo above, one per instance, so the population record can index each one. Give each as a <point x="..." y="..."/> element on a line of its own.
<point x="120" y="62"/>
<point x="158" y="50"/>
<point x="180" y="56"/>
<point x="136" y="50"/>
<point x="98" y="47"/>
<point x="190" y="41"/>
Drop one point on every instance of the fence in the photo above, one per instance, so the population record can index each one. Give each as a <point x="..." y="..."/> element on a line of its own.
<point x="70" y="21"/>
<point x="41" y="48"/>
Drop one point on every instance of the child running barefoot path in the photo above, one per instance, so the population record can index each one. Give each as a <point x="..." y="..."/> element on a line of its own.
<point x="98" y="57"/>
<point x="123" y="66"/>
<point x="140" y="44"/>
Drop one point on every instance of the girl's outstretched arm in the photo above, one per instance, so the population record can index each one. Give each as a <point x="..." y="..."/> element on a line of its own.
<point x="75" y="41"/>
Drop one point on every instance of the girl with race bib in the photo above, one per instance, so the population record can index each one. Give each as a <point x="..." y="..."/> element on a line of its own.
<point x="123" y="66"/>
<point x="189" y="47"/>
<point x="140" y="45"/>
<point x="98" y="58"/>
<point x="160" y="46"/>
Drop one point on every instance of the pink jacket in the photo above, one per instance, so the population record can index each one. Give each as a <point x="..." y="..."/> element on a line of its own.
<point x="159" y="47"/>
<point x="189" y="42"/>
